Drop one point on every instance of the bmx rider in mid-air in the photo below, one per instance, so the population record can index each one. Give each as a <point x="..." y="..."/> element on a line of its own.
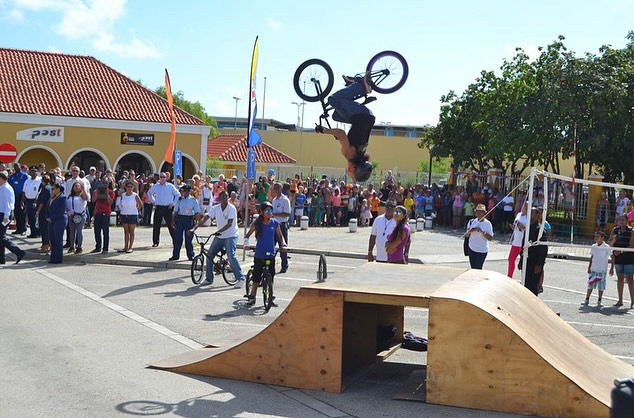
<point x="347" y="110"/>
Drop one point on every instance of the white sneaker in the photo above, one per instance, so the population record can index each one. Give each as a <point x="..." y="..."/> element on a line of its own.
<point x="238" y="284"/>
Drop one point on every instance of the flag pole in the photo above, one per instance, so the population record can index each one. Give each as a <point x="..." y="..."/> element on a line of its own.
<point x="250" y="126"/>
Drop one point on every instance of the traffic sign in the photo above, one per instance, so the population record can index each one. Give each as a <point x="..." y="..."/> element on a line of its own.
<point x="8" y="153"/>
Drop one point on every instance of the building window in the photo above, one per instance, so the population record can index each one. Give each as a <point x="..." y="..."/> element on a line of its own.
<point x="411" y="134"/>
<point x="389" y="132"/>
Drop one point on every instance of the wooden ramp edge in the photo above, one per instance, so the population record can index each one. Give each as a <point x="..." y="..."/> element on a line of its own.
<point x="493" y="345"/>
<point x="300" y="349"/>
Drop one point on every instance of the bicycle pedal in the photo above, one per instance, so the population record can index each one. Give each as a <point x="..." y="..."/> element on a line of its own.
<point x="369" y="99"/>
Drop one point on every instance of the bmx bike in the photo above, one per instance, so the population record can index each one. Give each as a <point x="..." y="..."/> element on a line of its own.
<point x="266" y="282"/>
<point x="221" y="264"/>
<point x="386" y="72"/>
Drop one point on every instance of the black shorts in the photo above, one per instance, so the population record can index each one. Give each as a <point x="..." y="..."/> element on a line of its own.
<point x="258" y="268"/>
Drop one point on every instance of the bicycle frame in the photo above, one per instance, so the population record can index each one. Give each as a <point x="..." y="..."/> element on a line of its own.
<point x="375" y="76"/>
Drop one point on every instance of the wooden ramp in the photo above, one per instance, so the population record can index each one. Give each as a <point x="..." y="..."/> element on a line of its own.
<point x="492" y="344"/>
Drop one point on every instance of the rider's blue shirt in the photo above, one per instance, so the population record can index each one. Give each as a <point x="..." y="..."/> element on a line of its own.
<point x="265" y="247"/>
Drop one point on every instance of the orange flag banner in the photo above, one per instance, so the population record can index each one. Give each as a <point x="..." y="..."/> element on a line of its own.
<point x="169" y="152"/>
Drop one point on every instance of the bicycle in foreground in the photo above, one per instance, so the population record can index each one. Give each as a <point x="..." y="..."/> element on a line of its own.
<point x="386" y="73"/>
<point x="266" y="282"/>
<point x="220" y="262"/>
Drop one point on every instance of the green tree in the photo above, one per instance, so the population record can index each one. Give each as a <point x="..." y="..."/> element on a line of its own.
<point x="194" y="108"/>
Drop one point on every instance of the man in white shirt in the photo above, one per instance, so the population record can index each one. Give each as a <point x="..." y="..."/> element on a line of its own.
<point x="281" y="212"/>
<point x="29" y="194"/>
<point x="7" y="203"/>
<point x="226" y="237"/>
<point x="68" y="186"/>
<point x="382" y="227"/>
<point x="508" y="218"/>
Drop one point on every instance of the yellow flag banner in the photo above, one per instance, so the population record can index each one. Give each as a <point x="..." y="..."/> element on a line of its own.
<point x="169" y="152"/>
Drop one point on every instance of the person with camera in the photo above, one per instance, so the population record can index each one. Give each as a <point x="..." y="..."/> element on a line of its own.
<point x="102" y="197"/>
<point x="76" y="204"/>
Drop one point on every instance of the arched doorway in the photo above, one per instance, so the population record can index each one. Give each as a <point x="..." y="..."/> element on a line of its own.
<point x="36" y="154"/>
<point x="86" y="158"/>
<point x="141" y="163"/>
<point x="189" y="167"/>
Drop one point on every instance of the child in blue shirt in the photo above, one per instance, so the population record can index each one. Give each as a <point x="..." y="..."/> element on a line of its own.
<point x="266" y="229"/>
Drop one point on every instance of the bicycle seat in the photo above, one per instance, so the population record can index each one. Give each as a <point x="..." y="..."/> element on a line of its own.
<point x="369" y="99"/>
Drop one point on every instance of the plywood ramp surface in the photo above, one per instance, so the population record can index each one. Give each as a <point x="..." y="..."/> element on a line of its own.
<point x="301" y="348"/>
<point x="494" y="345"/>
<point x="392" y="284"/>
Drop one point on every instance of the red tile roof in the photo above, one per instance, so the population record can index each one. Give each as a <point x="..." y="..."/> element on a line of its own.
<point x="80" y="86"/>
<point x="233" y="147"/>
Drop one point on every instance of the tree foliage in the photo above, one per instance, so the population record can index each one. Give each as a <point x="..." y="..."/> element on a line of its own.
<point x="528" y="112"/>
<point x="193" y="108"/>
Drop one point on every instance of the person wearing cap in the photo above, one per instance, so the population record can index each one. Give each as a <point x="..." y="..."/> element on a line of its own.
<point x="17" y="180"/>
<point x="381" y="228"/>
<point x="226" y="237"/>
<point x="163" y="196"/>
<point x="536" y="253"/>
<point x="480" y="232"/>
<point x="186" y="211"/>
<point x="29" y="194"/>
<point x="7" y="203"/>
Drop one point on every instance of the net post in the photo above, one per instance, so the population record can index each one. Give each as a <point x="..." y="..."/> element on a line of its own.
<point x="531" y="185"/>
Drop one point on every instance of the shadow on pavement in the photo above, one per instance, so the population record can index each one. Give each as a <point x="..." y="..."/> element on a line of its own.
<point x="140" y="286"/>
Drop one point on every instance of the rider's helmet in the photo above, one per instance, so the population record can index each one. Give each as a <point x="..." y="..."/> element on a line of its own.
<point x="363" y="171"/>
<point x="264" y="206"/>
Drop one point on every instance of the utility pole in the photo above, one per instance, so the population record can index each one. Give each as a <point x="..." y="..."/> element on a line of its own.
<point x="263" y="103"/>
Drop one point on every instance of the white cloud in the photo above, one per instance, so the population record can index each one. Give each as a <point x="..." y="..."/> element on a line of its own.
<point x="274" y="24"/>
<point x="16" y="16"/>
<point x="134" y="48"/>
<point x="93" y="21"/>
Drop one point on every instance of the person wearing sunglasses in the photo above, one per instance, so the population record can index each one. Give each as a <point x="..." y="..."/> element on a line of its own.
<point x="398" y="241"/>
<point x="267" y="233"/>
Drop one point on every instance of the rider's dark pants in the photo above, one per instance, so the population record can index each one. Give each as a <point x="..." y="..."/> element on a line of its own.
<point x="344" y="104"/>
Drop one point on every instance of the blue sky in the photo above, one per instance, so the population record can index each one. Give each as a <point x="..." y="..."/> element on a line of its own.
<point x="206" y="45"/>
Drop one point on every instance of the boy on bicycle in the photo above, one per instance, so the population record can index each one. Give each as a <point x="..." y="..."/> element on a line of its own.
<point x="355" y="142"/>
<point x="266" y="229"/>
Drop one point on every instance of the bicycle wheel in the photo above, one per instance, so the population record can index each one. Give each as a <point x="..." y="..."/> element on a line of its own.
<point x="387" y="71"/>
<point x="247" y="284"/>
<point x="313" y="80"/>
<point x="225" y="270"/>
<point x="322" y="270"/>
<point x="267" y="290"/>
<point x="198" y="269"/>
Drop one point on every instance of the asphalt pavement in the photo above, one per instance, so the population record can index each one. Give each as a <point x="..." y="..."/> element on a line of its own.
<point x="76" y="337"/>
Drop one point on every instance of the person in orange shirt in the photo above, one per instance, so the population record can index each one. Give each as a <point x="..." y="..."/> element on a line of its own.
<point x="374" y="207"/>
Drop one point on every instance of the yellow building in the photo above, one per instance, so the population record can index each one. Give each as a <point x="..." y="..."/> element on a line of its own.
<point x="61" y="109"/>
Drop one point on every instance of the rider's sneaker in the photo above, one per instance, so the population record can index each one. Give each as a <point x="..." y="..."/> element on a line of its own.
<point x="273" y="304"/>
<point x="238" y="284"/>
<point x="250" y="300"/>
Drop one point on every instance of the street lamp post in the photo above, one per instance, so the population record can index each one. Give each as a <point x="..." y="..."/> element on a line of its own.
<point x="429" y="147"/>
<point x="301" y="133"/>
<point x="298" y="106"/>
<point x="235" y="118"/>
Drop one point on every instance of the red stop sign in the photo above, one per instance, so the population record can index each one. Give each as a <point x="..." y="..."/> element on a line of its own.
<point x="8" y="153"/>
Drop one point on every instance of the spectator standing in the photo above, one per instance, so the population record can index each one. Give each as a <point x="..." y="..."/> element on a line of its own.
<point x="43" y="196"/>
<point x="103" y="197"/>
<point x="281" y="212"/>
<point x="57" y="219"/>
<point x="623" y="237"/>
<point x="398" y="241"/>
<point x="76" y="207"/>
<point x="409" y="205"/>
<point x="300" y="201"/>
<point x="17" y="180"/>
<point x="93" y="180"/>
<point x="366" y="214"/>
<point x="7" y="204"/>
<point x="603" y="210"/>
<point x="147" y="205"/>
<point x="507" y="215"/>
<point x="186" y="211"/>
<point x="383" y="226"/>
<point x="30" y="191"/>
<point x="374" y="207"/>
<point x="517" y="239"/>
<point x="163" y="196"/>
<point x="457" y="204"/>
<point x="469" y="209"/>
<point x="129" y="205"/>
<point x="621" y="203"/>
<point x="536" y="254"/>
<point x="598" y="266"/>
<point x="480" y="232"/>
